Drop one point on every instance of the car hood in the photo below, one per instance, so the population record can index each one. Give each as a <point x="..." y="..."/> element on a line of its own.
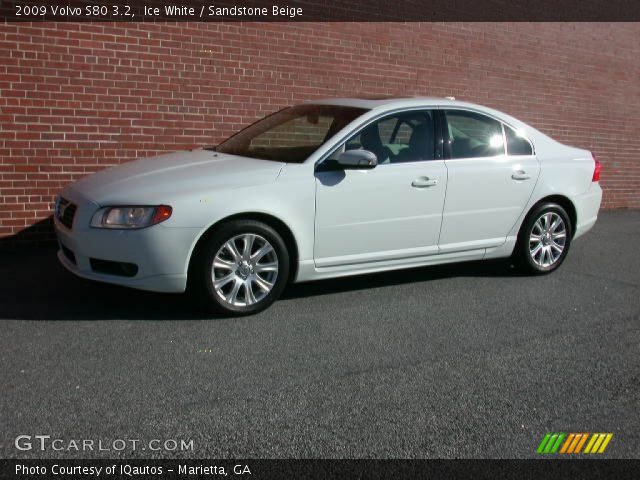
<point x="153" y="180"/>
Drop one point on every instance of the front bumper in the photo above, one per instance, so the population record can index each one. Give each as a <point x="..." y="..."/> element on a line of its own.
<point x="155" y="283"/>
<point x="160" y="253"/>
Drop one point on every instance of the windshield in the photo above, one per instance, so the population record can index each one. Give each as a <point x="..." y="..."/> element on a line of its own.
<point x="290" y="135"/>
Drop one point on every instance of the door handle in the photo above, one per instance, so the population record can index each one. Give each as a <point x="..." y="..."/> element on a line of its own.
<point x="424" y="182"/>
<point x="520" y="175"/>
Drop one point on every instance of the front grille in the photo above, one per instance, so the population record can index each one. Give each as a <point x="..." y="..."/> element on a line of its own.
<point x="121" y="269"/>
<point x="65" y="212"/>
<point x="68" y="253"/>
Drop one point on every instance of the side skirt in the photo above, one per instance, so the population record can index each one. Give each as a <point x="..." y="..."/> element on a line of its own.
<point x="307" y="270"/>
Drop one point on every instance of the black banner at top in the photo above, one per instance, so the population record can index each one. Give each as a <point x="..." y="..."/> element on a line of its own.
<point x="321" y="10"/>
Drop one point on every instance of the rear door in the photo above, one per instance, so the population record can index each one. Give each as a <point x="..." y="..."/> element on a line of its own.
<point x="488" y="186"/>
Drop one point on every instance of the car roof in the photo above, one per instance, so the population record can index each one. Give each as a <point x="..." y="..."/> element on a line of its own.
<point x="382" y="102"/>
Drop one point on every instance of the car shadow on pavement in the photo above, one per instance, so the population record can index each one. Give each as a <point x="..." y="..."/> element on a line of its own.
<point x="34" y="286"/>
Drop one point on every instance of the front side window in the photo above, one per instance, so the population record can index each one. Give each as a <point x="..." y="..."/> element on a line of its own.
<point x="290" y="135"/>
<point x="401" y="137"/>
<point x="517" y="144"/>
<point x="473" y="135"/>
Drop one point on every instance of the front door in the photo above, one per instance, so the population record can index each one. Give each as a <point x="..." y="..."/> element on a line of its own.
<point x="389" y="212"/>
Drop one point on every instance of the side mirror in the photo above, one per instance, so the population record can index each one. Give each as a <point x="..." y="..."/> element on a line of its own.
<point x="357" y="160"/>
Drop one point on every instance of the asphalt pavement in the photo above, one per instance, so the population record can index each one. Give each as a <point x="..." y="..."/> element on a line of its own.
<point x="466" y="360"/>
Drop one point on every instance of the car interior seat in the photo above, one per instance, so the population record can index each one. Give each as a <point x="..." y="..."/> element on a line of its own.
<point x="370" y="140"/>
<point x="421" y="144"/>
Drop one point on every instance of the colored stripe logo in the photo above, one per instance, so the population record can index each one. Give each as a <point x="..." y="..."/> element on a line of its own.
<point x="568" y="443"/>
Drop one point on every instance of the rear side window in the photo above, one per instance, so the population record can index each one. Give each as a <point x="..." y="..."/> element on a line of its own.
<point x="517" y="144"/>
<point x="473" y="135"/>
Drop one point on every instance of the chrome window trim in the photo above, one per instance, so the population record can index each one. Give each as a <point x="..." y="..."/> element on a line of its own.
<point x="362" y="126"/>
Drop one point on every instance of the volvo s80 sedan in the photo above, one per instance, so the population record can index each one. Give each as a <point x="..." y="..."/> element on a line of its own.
<point x="327" y="189"/>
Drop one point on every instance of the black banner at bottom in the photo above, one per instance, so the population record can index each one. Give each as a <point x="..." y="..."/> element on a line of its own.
<point x="332" y="469"/>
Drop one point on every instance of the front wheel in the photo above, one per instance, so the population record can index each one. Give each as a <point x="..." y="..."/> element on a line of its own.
<point x="544" y="239"/>
<point x="243" y="267"/>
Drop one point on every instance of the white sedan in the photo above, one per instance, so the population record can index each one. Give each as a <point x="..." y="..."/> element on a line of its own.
<point x="327" y="189"/>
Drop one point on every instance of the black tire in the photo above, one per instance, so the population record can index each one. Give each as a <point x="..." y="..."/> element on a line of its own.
<point x="203" y="270"/>
<point x="522" y="255"/>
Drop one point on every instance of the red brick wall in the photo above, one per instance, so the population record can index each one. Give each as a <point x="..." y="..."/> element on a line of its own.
<point x="75" y="98"/>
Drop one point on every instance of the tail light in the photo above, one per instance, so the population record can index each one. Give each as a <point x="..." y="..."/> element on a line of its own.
<point x="596" y="169"/>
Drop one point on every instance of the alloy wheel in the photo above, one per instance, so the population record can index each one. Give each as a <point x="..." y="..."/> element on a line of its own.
<point x="244" y="270"/>
<point x="547" y="240"/>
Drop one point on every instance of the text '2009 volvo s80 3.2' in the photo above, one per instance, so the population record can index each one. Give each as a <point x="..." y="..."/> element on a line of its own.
<point x="326" y="189"/>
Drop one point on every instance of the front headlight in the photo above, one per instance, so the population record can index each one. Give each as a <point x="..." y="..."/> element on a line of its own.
<point x="130" y="217"/>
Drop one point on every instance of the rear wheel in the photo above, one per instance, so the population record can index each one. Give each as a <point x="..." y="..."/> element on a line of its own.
<point x="544" y="239"/>
<point x="243" y="267"/>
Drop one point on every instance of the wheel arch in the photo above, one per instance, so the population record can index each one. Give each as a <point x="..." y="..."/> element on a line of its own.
<point x="564" y="202"/>
<point x="274" y="222"/>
